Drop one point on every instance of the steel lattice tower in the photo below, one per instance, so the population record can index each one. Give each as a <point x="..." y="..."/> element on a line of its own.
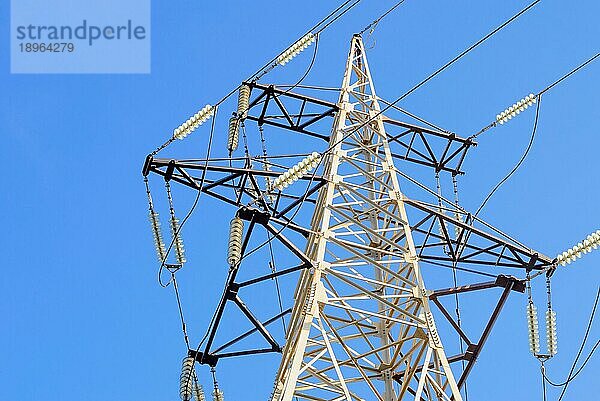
<point x="362" y="313"/>
<point x="361" y="326"/>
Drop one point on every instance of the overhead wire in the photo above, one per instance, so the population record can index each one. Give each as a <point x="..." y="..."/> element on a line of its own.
<point x="513" y="170"/>
<point x="183" y="325"/>
<point x="464" y="269"/>
<point x="519" y="163"/>
<point x="546" y="89"/>
<point x="382" y="16"/>
<point x="351" y="6"/>
<point x="570" y="376"/>
<point x="308" y="70"/>
<point x="323" y="88"/>
<point x="567" y="75"/>
<point x="272" y="265"/>
<point x="278" y="290"/>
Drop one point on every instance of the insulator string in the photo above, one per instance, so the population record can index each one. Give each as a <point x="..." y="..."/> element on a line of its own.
<point x="297" y="171"/>
<point x="234" y="252"/>
<point x="540" y="93"/>
<point x="192" y="123"/>
<point x="516" y="109"/>
<point x="572" y="373"/>
<point x="532" y="321"/>
<point x="551" y="333"/>
<point x="296" y="48"/>
<point x="198" y="390"/>
<point x="159" y="243"/>
<point x="243" y="102"/>
<point x="185" y="379"/>
<point x="590" y="243"/>
<point x="233" y="134"/>
<point x="175" y="230"/>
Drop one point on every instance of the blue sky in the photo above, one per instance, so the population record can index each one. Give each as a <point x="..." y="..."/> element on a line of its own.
<point x="83" y="315"/>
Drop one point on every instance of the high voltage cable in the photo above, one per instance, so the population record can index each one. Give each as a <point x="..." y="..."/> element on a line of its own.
<point x="525" y="154"/>
<point x="572" y="375"/>
<point x="567" y="75"/>
<point x="514" y="169"/>
<point x="587" y="332"/>
<point x="382" y="16"/>
<point x="183" y="325"/>
<point x="546" y="89"/>
<point x="420" y="119"/>
<point x="519" y="163"/>
<point x="586" y="360"/>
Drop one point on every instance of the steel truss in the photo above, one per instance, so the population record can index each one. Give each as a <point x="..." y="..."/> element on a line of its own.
<point x="444" y="151"/>
<point x="362" y="325"/>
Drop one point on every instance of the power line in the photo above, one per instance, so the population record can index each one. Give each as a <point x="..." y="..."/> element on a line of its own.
<point x="552" y="85"/>
<point x="183" y="325"/>
<point x="567" y="75"/>
<point x="585" y="337"/>
<point x="382" y="16"/>
<point x="519" y="163"/>
<point x="539" y="100"/>
<point x="587" y="359"/>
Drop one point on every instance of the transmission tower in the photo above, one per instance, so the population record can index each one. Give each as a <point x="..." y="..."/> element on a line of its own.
<point x="362" y="312"/>
<point x="364" y="324"/>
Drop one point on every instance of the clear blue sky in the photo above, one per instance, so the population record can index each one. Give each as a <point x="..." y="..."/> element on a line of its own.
<point x="83" y="317"/>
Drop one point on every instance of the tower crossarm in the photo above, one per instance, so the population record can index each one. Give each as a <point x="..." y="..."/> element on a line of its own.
<point x="285" y="109"/>
<point x="453" y="235"/>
